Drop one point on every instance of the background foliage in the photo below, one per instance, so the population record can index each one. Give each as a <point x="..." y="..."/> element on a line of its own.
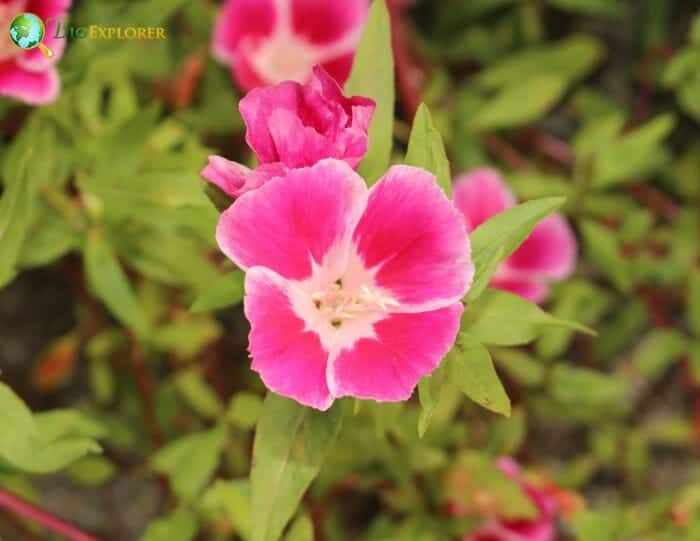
<point x="121" y="323"/>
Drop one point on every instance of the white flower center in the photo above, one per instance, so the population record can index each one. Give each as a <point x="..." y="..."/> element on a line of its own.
<point x="7" y="14"/>
<point x="338" y="304"/>
<point x="285" y="57"/>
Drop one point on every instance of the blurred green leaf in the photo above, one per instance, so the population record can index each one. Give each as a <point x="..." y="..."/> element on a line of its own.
<point x="180" y="525"/>
<point x="603" y="249"/>
<point x="110" y="284"/>
<point x="190" y="461"/>
<point x="519" y="103"/>
<point x="301" y="529"/>
<point x="198" y="393"/>
<point x="244" y="409"/>
<point x="230" y="500"/>
<point x="426" y="149"/>
<point x="429" y="389"/>
<point x="694" y="302"/>
<point x="658" y="350"/>
<point x="373" y="76"/>
<point x="291" y="442"/>
<point x="227" y="291"/>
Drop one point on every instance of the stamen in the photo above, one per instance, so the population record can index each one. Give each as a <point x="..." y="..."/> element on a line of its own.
<point x="337" y="304"/>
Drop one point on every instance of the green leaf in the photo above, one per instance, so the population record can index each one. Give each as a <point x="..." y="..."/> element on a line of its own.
<point x="230" y="500"/>
<point x="189" y="462"/>
<point x="694" y="303"/>
<point x="198" y="393"/>
<point x="180" y="525"/>
<point x="520" y="103"/>
<point x="244" y="410"/>
<point x="637" y="153"/>
<point x="291" y="443"/>
<point x="504" y="319"/>
<point x="17" y="424"/>
<point x="110" y="284"/>
<point x="429" y="389"/>
<point x="301" y="530"/>
<point x="227" y="291"/>
<point x="574" y="387"/>
<point x="471" y="370"/>
<point x="658" y="350"/>
<point x="92" y="470"/>
<point x="62" y="437"/>
<point x="603" y="249"/>
<point x="568" y="60"/>
<point x="494" y="240"/>
<point x="596" y="526"/>
<point x="427" y="150"/>
<point x="373" y="76"/>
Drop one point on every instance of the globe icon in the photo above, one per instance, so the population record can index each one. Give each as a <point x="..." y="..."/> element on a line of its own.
<point x="27" y="31"/>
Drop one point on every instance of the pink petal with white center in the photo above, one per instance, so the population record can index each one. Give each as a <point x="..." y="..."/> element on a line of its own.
<point x="289" y="359"/>
<point x="406" y="347"/>
<point x="416" y="240"/>
<point x="480" y="195"/>
<point x="291" y="223"/>
<point x="33" y="88"/>
<point x="236" y="179"/>
<point x="549" y="251"/>
<point x="53" y="11"/>
<point x="253" y="20"/>
<point x="324" y="21"/>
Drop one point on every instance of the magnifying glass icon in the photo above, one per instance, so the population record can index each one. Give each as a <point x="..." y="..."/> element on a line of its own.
<point x="27" y="31"/>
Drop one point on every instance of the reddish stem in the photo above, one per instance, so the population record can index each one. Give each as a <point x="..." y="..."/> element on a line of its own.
<point x="30" y="512"/>
<point x="145" y="387"/>
<point x="409" y="77"/>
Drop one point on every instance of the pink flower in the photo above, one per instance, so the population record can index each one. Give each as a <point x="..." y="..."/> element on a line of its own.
<point x="547" y="255"/>
<point x="269" y="41"/>
<point x="350" y="291"/>
<point x="28" y="75"/>
<point x="291" y="126"/>
<point x="540" y="529"/>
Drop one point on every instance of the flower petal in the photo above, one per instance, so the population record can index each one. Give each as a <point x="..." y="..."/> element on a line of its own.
<point x="236" y="179"/>
<point x="481" y="194"/>
<point x="291" y="222"/>
<point x="34" y="88"/>
<point x="239" y="19"/>
<point x="549" y="251"/>
<point x="257" y="108"/>
<point x="405" y="348"/>
<point x="289" y="359"/>
<point x="416" y="240"/>
<point x="324" y="21"/>
<point x="339" y="68"/>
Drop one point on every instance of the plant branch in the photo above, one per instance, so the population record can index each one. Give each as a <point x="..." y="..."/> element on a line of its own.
<point x="145" y="388"/>
<point x="28" y="511"/>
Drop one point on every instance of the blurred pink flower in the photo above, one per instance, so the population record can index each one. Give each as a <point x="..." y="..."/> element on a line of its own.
<point x="269" y="41"/>
<point x="291" y="126"/>
<point x="28" y="75"/>
<point x="350" y="291"/>
<point x="540" y="529"/>
<point x="548" y="254"/>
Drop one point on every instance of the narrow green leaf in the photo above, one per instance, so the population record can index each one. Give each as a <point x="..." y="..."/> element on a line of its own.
<point x="231" y="501"/>
<point x="604" y="250"/>
<point x="291" y="443"/>
<point x="429" y="389"/>
<point x="227" y="291"/>
<point x="180" y="525"/>
<point x="471" y="369"/>
<point x="17" y="424"/>
<point x="497" y="238"/>
<point x="373" y="76"/>
<point x="504" y="319"/>
<point x="520" y="103"/>
<point x="658" y="350"/>
<point x="110" y="284"/>
<point x="427" y="150"/>
<point x="198" y="393"/>
<point x="190" y="461"/>
<point x="244" y="410"/>
<point x="301" y="530"/>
